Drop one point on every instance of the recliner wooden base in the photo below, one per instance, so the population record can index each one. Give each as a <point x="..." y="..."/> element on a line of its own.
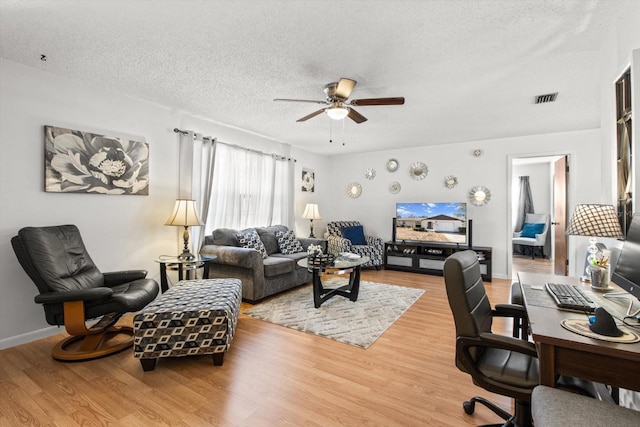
<point x="77" y="348"/>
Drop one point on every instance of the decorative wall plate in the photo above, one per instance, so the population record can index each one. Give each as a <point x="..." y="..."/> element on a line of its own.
<point x="450" y="181"/>
<point x="369" y="173"/>
<point x="392" y="165"/>
<point x="394" y="187"/>
<point x="354" y="190"/>
<point x="479" y="195"/>
<point x="418" y="171"/>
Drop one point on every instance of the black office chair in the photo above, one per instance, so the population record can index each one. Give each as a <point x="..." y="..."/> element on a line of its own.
<point x="520" y="324"/>
<point x="497" y="363"/>
<point x="73" y="290"/>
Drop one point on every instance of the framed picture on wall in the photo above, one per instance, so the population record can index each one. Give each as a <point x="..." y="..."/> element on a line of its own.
<point x="83" y="162"/>
<point x="308" y="180"/>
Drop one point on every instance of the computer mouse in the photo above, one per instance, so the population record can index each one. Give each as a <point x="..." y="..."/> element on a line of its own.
<point x="604" y="324"/>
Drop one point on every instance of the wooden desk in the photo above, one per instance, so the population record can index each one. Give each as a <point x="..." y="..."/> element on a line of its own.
<point x="563" y="352"/>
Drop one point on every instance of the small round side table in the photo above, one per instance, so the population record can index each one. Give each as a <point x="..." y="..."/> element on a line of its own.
<point x="183" y="265"/>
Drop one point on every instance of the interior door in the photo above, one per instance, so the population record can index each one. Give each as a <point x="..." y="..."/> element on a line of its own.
<point x="559" y="224"/>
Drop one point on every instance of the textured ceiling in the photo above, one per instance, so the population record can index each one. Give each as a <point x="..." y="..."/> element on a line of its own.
<point x="469" y="70"/>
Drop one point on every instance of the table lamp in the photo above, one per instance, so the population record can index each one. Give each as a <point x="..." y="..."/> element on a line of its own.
<point x="311" y="213"/>
<point x="595" y="221"/>
<point x="185" y="213"/>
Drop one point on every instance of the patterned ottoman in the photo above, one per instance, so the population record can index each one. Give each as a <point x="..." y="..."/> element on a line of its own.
<point x="192" y="317"/>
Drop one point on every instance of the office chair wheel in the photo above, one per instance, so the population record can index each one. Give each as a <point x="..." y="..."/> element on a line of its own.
<point x="469" y="407"/>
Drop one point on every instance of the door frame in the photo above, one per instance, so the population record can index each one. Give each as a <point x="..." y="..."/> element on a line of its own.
<point x="571" y="156"/>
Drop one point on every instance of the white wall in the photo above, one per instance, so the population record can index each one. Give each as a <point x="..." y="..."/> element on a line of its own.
<point x="375" y="208"/>
<point x="120" y="232"/>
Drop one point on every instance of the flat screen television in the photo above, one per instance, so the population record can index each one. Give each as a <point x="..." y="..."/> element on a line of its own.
<point x="627" y="271"/>
<point x="431" y="222"/>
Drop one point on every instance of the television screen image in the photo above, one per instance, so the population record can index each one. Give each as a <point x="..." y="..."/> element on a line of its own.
<point x="431" y="222"/>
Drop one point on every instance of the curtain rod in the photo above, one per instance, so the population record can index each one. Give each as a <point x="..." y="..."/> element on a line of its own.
<point x="212" y="139"/>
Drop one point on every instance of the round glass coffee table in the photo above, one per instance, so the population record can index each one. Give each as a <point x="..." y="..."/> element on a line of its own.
<point x="342" y="265"/>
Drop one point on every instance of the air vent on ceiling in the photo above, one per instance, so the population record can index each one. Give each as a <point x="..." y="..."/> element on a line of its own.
<point x="543" y="99"/>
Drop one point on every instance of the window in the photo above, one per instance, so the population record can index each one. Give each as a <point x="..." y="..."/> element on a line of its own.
<point x="250" y="189"/>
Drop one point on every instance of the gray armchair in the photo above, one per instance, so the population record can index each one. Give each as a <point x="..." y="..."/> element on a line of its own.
<point x="336" y="242"/>
<point x="497" y="363"/>
<point x="539" y="240"/>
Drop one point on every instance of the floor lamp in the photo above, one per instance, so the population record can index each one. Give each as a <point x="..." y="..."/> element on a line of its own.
<point x="311" y="212"/>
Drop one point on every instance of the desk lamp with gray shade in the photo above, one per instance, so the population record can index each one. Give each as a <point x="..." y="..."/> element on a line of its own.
<point x="595" y="221"/>
<point x="185" y="214"/>
<point x="311" y="212"/>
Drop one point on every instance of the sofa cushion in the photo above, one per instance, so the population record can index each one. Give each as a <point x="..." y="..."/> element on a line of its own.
<point x="268" y="237"/>
<point x="287" y="242"/>
<point x="251" y="240"/>
<point x="225" y="237"/>
<point x="531" y="229"/>
<point x="355" y="234"/>
<point x="276" y="265"/>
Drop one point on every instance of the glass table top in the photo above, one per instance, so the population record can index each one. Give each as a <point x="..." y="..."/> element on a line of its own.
<point x="341" y="262"/>
<point x="167" y="259"/>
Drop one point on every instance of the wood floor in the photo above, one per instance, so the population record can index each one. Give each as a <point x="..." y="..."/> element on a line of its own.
<point x="525" y="263"/>
<point x="272" y="376"/>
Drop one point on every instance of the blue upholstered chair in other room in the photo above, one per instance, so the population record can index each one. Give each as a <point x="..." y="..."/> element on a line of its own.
<point x="534" y="233"/>
<point x="348" y="236"/>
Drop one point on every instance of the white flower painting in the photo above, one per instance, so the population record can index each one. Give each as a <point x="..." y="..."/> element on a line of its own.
<point x="83" y="162"/>
<point x="308" y="180"/>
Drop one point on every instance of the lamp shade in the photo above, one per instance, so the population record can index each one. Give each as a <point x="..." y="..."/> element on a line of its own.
<point x="337" y="113"/>
<point x="595" y="221"/>
<point x="184" y="213"/>
<point x="311" y="212"/>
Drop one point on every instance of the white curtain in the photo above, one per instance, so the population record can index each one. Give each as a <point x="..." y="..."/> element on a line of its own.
<point x="196" y="170"/>
<point x="249" y="189"/>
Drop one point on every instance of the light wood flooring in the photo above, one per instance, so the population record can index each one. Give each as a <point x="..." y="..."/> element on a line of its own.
<point x="525" y="263"/>
<point x="272" y="376"/>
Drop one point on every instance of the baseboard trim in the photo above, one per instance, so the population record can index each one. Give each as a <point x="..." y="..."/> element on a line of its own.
<point x="30" y="336"/>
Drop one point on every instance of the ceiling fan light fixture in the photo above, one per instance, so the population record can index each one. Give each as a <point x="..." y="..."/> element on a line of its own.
<point x="337" y="113"/>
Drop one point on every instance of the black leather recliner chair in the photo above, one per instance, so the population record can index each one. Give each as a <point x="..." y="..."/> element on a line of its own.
<point x="500" y="364"/>
<point x="73" y="290"/>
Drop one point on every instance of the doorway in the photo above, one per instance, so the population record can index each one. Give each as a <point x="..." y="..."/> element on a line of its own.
<point x="548" y="179"/>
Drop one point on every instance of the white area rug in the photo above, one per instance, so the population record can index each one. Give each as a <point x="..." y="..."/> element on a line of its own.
<point x="357" y="323"/>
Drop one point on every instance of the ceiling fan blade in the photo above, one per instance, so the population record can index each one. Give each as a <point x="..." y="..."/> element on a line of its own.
<point x="377" y="101"/>
<point x="345" y="86"/>
<point x="312" y="115"/>
<point x="300" y="100"/>
<point x="356" y="117"/>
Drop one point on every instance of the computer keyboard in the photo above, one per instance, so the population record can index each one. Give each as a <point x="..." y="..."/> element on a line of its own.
<point x="570" y="297"/>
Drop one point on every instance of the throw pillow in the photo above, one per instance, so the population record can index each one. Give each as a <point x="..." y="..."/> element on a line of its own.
<point x="287" y="242"/>
<point x="531" y="229"/>
<point x="250" y="239"/>
<point x="354" y="234"/>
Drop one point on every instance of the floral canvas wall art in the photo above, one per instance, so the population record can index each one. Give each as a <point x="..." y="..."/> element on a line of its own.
<point x="83" y="162"/>
<point x="308" y="180"/>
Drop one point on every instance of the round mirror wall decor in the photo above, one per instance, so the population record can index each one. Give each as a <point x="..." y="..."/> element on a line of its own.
<point x="354" y="190"/>
<point x="394" y="187"/>
<point x="479" y="195"/>
<point x="450" y="182"/>
<point x="392" y="165"/>
<point x="369" y="173"/>
<point x="418" y="171"/>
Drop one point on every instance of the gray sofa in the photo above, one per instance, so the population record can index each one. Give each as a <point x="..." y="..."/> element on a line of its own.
<point x="261" y="277"/>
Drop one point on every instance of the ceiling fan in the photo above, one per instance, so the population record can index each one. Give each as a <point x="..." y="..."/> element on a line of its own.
<point x="338" y="102"/>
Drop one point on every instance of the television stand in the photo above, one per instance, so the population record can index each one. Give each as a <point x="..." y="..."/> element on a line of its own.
<point x="428" y="258"/>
